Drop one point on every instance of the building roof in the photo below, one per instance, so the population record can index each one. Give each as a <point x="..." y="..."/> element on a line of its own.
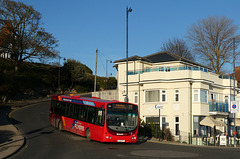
<point x="237" y="73"/>
<point x="133" y="58"/>
<point x="160" y="57"/>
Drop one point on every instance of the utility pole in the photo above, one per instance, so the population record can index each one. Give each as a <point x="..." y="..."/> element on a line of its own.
<point x="95" y="81"/>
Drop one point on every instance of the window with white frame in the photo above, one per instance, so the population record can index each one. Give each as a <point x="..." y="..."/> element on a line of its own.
<point x="164" y="123"/>
<point x="196" y="95"/>
<point x="176" y="95"/>
<point x="163" y="95"/>
<point x="152" y="96"/>
<point x="176" y="125"/>
<point x="136" y="97"/>
<point x="226" y="99"/>
<point x="168" y="69"/>
<point x="203" y="96"/>
<point x="214" y="97"/>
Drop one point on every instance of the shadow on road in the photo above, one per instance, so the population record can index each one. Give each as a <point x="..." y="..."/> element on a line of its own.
<point x="5" y="136"/>
<point x="38" y="132"/>
<point x="142" y="139"/>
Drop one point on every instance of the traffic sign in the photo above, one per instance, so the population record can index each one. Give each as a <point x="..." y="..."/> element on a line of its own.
<point x="158" y="106"/>
<point x="234" y="107"/>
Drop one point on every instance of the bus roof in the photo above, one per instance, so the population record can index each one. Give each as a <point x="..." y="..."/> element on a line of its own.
<point x="88" y="101"/>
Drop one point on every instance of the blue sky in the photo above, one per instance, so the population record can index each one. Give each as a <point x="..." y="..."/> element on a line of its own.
<point x="82" y="26"/>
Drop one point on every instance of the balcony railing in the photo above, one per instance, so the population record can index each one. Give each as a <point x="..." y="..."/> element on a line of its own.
<point x="218" y="107"/>
<point x="170" y="69"/>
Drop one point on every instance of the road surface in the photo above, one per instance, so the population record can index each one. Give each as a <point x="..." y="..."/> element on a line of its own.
<point x="45" y="142"/>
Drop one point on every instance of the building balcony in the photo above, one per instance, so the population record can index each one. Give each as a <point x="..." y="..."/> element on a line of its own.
<point x="218" y="108"/>
<point x="180" y="68"/>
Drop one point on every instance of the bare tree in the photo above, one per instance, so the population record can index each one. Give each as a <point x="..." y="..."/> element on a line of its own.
<point x="178" y="47"/>
<point x="21" y="34"/>
<point x="212" y="41"/>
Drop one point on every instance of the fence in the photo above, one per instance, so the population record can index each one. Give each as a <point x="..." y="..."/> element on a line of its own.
<point x="151" y="129"/>
<point x="107" y="94"/>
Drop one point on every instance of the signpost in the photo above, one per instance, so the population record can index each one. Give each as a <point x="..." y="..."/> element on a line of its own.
<point x="234" y="110"/>
<point x="223" y="140"/>
<point x="159" y="107"/>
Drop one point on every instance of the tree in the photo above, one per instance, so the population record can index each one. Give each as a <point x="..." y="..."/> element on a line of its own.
<point x="75" y="72"/>
<point x="21" y="34"/>
<point x="177" y="47"/>
<point x="212" y="41"/>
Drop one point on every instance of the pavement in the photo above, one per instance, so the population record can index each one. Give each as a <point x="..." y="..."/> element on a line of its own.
<point x="11" y="139"/>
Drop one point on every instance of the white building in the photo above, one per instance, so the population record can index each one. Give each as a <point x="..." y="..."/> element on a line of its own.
<point x="186" y="90"/>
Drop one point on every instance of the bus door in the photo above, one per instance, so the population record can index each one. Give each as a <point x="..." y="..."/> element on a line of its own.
<point x="69" y="117"/>
<point x="52" y="115"/>
<point x="96" y="117"/>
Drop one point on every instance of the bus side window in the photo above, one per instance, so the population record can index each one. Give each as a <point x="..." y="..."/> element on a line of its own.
<point x="75" y="111"/>
<point x="99" y="117"/>
<point x="83" y="113"/>
<point x="91" y="115"/>
<point x="57" y="107"/>
<point x="70" y="110"/>
<point x="79" y="112"/>
<point x="63" y="109"/>
<point x="53" y="106"/>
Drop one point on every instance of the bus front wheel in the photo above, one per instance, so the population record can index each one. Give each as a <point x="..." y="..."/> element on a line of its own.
<point x="60" y="126"/>
<point x="88" y="134"/>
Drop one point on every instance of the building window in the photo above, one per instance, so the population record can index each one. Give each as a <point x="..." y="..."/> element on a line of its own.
<point x="198" y="130"/>
<point x="196" y="126"/>
<point x="154" y="120"/>
<point x="176" y="125"/>
<point x="226" y="99"/>
<point x="152" y="96"/>
<point x="176" y="95"/>
<point x="214" y="97"/>
<point x="195" y="95"/>
<point x="231" y="97"/>
<point x="136" y="97"/>
<point x="168" y="69"/>
<point x="203" y="96"/>
<point x="164" y="124"/>
<point x="163" y="96"/>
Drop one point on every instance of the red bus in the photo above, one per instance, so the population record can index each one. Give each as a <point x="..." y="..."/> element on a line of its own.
<point x="94" y="118"/>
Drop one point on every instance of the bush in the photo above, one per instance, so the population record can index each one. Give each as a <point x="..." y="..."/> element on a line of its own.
<point x="152" y="130"/>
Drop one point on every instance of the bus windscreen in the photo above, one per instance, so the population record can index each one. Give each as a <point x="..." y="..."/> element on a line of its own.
<point x="122" y="117"/>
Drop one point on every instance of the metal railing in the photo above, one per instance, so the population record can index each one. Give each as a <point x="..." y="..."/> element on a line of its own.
<point x="218" y="107"/>
<point x="152" y="131"/>
<point x="180" y="68"/>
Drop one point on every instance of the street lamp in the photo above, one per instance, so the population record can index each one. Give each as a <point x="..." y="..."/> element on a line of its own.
<point x="126" y="98"/>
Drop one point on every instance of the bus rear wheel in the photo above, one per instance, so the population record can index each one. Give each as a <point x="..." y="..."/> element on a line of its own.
<point x="60" y="126"/>
<point x="88" y="134"/>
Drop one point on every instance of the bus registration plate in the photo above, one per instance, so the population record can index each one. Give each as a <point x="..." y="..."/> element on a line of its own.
<point x="120" y="140"/>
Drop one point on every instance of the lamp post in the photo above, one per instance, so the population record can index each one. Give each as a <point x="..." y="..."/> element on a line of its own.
<point x="126" y="98"/>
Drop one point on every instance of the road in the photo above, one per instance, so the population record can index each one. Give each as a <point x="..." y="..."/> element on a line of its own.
<point x="45" y="142"/>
